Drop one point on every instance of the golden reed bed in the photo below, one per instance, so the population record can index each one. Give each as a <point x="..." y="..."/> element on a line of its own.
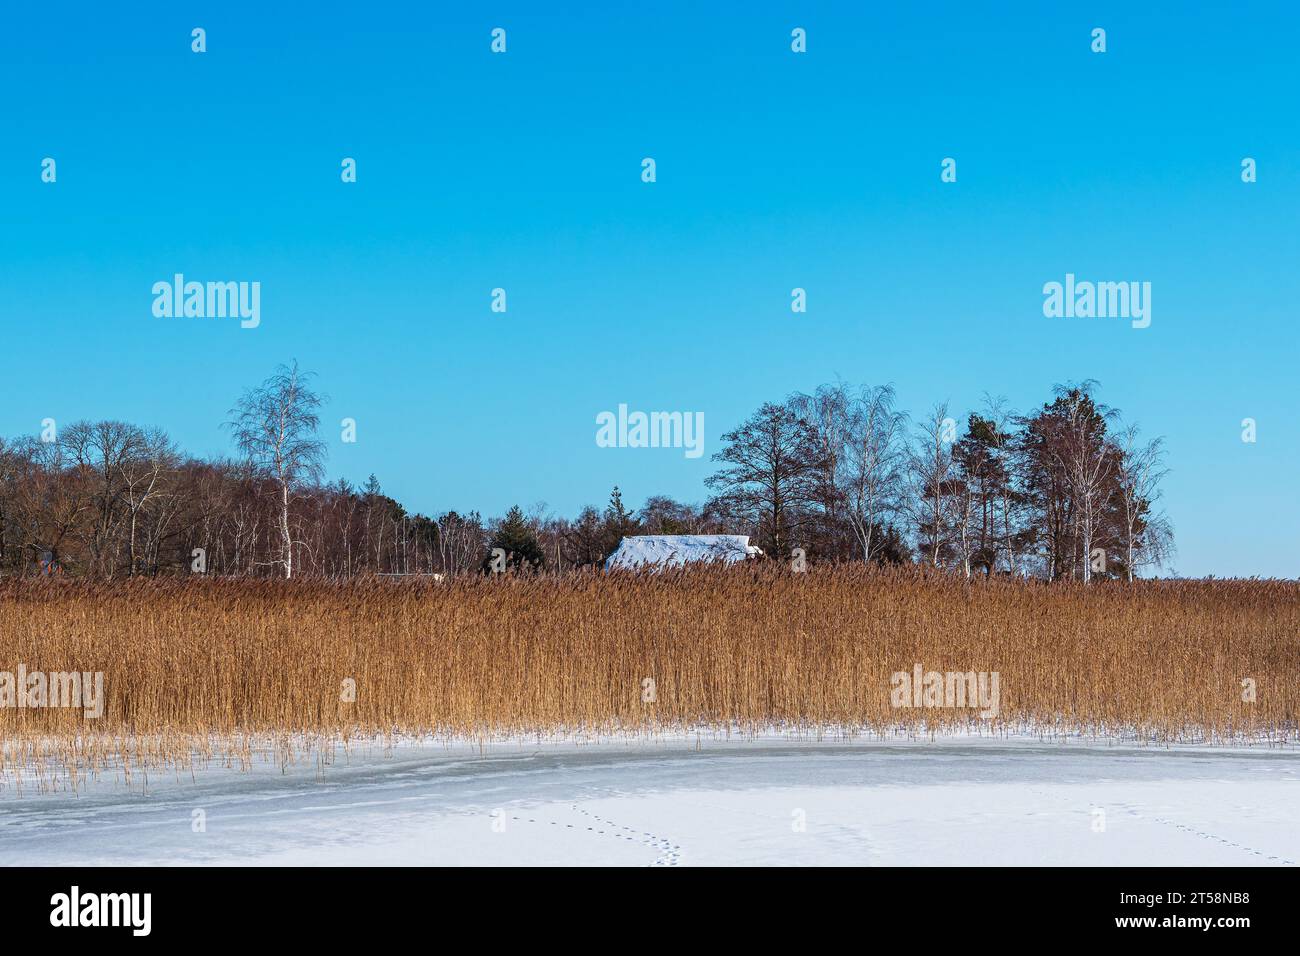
<point x="741" y="647"/>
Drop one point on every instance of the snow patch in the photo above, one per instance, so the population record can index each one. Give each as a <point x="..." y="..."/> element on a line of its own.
<point x="674" y="550"/>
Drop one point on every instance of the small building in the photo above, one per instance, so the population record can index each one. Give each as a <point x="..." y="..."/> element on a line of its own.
<point x="673" y="550"/>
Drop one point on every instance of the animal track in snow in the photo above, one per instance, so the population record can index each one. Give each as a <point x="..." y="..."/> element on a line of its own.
<point x="669" y="853"/>
<point x="1210" y="836"/>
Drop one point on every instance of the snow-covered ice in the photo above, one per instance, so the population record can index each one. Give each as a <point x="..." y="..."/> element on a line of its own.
<point x="685" y="801"/>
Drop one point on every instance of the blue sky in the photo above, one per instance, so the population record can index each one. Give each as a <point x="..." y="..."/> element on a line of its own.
<point x="775" y="170"/>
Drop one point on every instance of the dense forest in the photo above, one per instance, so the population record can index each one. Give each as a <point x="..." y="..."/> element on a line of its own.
<point x="1066" y="491"/>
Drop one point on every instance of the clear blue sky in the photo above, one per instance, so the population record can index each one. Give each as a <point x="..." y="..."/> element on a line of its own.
<point x="775" y="170"/>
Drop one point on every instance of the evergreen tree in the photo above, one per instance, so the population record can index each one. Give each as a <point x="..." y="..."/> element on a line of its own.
<point x="619" y="522"/>
<point x="892" y="549"/>
<point x="516" y="537"/>
<point x="985" y="486"/>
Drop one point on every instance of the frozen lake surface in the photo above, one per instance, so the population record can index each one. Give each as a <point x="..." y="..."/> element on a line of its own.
<point x="965" y="801"/>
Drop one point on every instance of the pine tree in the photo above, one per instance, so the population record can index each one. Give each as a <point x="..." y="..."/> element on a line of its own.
<point x="619" y="522"/>
<point x="517" y="539"/>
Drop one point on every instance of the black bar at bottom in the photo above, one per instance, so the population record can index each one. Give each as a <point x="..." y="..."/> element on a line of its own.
<point x="973" y="906"/>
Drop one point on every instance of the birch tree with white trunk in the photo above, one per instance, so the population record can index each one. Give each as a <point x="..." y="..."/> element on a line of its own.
<point x="1147" y="538"/>
<point x="275" y="425"/>
<point x="931" y="470"/>
<point x="872" y="475"/>
<point x="1089" y="462"/>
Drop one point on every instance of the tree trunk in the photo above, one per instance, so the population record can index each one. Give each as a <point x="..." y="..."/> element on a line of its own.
<point x="284" y="529"/>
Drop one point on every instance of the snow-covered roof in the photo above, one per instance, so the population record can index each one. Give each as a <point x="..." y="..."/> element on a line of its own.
<point x="670" y="550"/>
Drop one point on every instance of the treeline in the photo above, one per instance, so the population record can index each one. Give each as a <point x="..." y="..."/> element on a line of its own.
<point x="1066" y="491"/>
<point x="1063" y="492"/>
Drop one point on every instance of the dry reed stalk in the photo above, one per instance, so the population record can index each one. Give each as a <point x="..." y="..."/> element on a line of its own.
<point x="187" y="662"/>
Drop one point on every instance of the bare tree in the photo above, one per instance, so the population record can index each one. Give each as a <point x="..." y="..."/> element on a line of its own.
<point x="931" y="470"/>
<point x="872" y="478"/>
<point x="1088" y="461"/>
<point x="960" y="504"/>
<point x="144" y="474"/>
<point x="99" y="451"/>
<point x="461" y="542"/>
<point x="274" y="425"/>
<point x="828" y="411"/>
<point x="54" y="498"/>
<point x="770" y="474"/>
<point x="1147" y="535"/>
